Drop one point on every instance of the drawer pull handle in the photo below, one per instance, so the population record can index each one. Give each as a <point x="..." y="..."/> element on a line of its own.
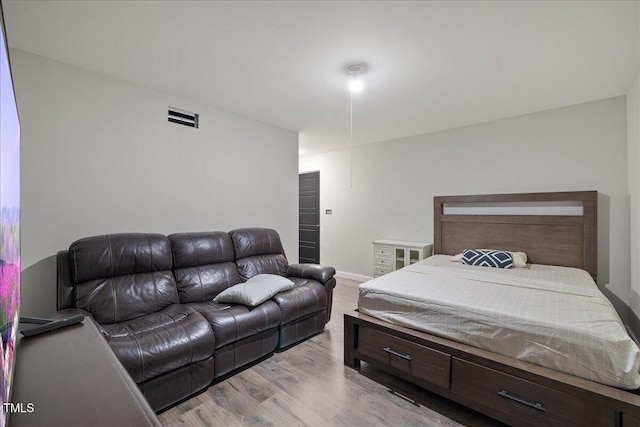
<point x="537" y="406"/>
<point x="395" y="353"/>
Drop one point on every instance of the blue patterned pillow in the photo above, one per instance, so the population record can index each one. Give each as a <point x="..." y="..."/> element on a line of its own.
<point x="487" y="258"/>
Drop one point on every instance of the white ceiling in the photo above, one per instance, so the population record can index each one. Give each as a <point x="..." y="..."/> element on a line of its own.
<point x="432" y="65"/>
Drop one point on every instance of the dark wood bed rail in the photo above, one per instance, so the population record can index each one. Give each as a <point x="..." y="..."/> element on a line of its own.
<point x="565" y="240"/>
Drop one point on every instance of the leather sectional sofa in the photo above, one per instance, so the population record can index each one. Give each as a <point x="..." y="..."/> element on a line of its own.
<point x="152" y="298"/>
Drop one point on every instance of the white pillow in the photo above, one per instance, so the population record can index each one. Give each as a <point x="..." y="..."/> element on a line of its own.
<point x="256" y="290"/>
<point x="519" y="258"/>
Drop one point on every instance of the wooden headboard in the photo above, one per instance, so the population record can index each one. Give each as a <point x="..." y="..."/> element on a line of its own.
<point x="566" y="240"/>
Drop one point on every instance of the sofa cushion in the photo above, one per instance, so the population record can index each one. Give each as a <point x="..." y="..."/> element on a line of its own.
<point x="263" y="264"/>
<point x="117" y="299"/>
<point x="198" y="284"/>
<point x="119" y="277"/>
<point x="248" y="242"/>
<point x="160" y="342"/>
<point x="194" y="249"/>
<point x="258" y="251"/>
<point x="306" y="298"/>
<point x="204" y="265"/>
<point x="100" y="257"/>
<point x="256" y="290"/>
<point x="232" y="322"/>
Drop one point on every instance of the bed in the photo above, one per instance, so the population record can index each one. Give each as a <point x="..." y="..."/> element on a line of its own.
<point x="520" y="357"/>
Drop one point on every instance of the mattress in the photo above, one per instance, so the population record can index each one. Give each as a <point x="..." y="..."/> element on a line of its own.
<point x="551" y="316"/>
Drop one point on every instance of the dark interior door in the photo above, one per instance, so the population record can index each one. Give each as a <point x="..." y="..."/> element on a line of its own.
<point x="309" y="205"/>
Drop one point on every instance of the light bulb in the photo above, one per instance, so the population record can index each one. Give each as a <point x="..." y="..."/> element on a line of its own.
<point x="356" y="85"/>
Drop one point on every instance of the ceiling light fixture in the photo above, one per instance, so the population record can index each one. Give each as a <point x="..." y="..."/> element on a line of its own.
<point x="355" y="85"/>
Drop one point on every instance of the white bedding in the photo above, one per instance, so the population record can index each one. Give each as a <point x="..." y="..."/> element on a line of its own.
<point x="551" y="316"/>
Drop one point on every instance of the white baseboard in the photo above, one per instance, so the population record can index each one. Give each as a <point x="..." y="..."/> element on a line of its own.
<point x="352" y="276"/>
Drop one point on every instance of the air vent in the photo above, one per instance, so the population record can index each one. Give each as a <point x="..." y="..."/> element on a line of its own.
<point x="183" y="117"/>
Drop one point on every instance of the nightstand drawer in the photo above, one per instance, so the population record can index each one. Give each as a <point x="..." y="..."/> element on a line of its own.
<point x="384" y="262"/>
<point x="380" y="271"/>
<point x="384" y="251"/>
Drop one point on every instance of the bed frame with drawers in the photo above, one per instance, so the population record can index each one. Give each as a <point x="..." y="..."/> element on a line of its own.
<point x="504" y="388"/>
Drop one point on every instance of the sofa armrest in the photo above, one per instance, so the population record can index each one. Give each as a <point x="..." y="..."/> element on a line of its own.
<point x="321" y="273"/>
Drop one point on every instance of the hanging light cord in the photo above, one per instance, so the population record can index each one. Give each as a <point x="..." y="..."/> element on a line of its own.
<point x="355" y="86"/>
<point x="351" y="139"/>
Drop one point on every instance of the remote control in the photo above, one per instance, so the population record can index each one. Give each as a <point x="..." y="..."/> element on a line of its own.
<point x="53" y="325"/>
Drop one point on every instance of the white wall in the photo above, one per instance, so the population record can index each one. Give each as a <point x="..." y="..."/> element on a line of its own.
<point x="99" y="156"/>
<point x="581" y="147"/>
<point x="633" y="139"/>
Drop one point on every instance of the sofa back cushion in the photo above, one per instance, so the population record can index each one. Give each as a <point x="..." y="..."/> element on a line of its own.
<point x="258" y="251"/>
<point x="118" y="277"/>
<point x="204" y="265"/>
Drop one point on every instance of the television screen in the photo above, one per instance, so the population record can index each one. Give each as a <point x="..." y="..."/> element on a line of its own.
<point x="9" y="222"/>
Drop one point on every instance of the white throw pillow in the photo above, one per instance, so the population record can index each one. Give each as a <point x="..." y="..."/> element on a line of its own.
<point x="256" y="290"/>
<point x="519" y="258"/>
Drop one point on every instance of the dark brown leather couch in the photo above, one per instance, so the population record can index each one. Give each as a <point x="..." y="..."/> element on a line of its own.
<point x="152" y="298"/>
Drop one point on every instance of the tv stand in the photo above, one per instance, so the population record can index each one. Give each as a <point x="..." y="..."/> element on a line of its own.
<point x="71" y="377"/>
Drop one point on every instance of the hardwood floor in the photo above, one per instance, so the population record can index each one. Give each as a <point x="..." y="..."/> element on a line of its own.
<point x="308" y="385"/>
